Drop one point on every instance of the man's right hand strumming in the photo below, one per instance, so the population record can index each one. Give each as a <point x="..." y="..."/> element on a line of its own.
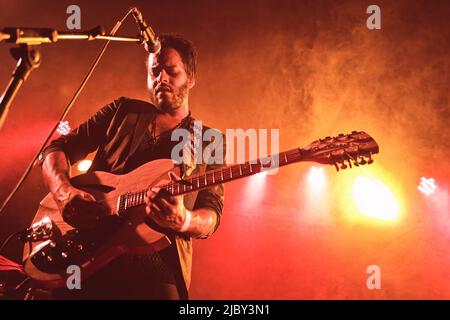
<point x="78" y="208"/>
<point x="65" y="193"/>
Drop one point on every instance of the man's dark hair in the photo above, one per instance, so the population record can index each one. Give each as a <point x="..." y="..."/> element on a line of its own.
<point x="185" y="49"/>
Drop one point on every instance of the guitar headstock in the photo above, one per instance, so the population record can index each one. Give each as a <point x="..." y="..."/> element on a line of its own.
<point x="345" y="150"/>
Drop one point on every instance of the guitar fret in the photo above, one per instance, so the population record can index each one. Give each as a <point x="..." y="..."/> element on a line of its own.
<point x="202" y="181"/>
<point x="189" y="186"/>
<point x="217" y="173"/>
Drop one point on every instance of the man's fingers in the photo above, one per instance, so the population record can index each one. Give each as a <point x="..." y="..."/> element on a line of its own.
<point x="152" y="193"/>
<point x="155" y="207"/>
<point x="152" y="208"/>
<point x="173" y="176"/>
<point x="163" y="203"/>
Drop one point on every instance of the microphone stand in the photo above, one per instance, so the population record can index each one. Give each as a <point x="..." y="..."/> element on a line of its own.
<point x="29" y="58"/>
<point x="37" y="36"/>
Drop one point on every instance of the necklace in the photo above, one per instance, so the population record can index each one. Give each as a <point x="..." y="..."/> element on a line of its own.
<point x="154" y="138"/>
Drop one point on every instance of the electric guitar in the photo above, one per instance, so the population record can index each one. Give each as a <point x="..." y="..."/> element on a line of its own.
<point x="124" y="226"/>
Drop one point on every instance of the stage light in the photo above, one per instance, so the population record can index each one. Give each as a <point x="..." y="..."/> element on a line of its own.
<point x="316" y="178"/>
<point x="254" y="191"/>
<point x="315" y="199"/>
<point x="84" y="165"/>
<point x="427" y="186"/>
<point x="374" y="199"/>
<point x="63" y="128"/>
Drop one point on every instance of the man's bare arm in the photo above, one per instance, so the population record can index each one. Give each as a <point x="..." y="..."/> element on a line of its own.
<point x="55" y="171"/>
<point x="202" y="223"/>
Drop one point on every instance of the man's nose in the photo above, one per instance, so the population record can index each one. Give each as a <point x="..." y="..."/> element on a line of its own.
<point x="163" y="77"/>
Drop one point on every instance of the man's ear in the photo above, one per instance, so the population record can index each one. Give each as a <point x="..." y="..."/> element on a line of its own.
<point x="191" y="82"/>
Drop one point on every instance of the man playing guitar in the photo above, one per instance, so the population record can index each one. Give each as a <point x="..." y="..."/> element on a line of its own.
<point x="126" y="134"/>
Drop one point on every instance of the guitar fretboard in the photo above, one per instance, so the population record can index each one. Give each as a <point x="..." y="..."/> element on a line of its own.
<point x="213" y="177"/>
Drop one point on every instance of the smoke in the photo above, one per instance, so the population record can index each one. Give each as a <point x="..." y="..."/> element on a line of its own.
<point x="314" y="69"/>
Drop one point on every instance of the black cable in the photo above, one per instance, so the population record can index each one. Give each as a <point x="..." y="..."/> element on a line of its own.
<point x="63" y="115"/>
<point x="10" y="237"/>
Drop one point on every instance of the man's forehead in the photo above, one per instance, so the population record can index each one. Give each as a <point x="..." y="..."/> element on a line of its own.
<point x="166" y="56"/>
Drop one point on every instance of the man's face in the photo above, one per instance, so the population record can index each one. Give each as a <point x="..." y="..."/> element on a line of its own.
<point x="167" y="80"/>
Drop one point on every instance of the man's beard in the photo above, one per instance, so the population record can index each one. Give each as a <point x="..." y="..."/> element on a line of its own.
<point x="168" y="105"/>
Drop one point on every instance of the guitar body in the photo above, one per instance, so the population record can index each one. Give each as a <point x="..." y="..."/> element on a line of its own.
<point x="46" y="261"/>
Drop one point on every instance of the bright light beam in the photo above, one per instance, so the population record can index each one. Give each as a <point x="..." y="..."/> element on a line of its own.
<point x="374" y="199"/>
<point x="63" y="128"/>
<point x="427" y="186"/>
<point x="316" y="179"/>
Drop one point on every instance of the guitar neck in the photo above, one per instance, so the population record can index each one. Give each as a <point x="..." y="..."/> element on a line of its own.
<point x="233" y="172"/>
<point x="357" y="147"/>
<point x="218" y="176"/>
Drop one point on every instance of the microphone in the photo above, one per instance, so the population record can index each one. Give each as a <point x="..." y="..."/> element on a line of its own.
<point x="150" y="40"/>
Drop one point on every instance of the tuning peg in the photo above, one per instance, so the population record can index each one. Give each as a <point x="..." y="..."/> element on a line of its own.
<point x="349" y="163"/>
<point x="336" y="166"/>
<point x="354" y="132"/>
<point x="355" y="162"/>
<point x="343" y="165"/>
<point x="362" y="160"/>
<point x="370" y="160"/>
